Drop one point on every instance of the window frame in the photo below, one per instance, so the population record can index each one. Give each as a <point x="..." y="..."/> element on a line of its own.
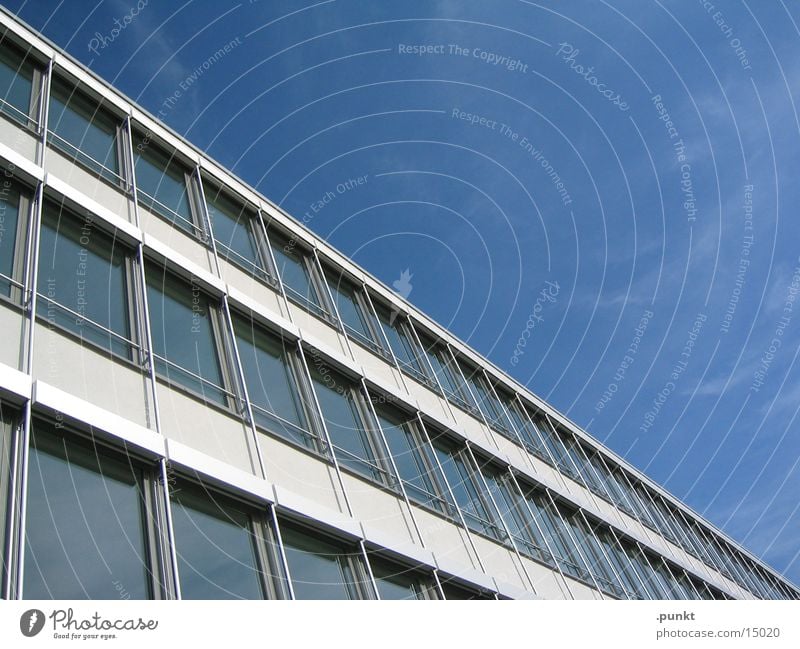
<point x="220" y="337"/>
<point x="103" y="113"/>
<point x="144" y="144"/>
<point x="63" y="211"/>
<point x="424" y="588"/>
<point x="32" y="119"/>
<point x="154" y="541"/>
<point x="17" y="289"/>
<point x="373" y="339"/>
<point x="263" y="538"/>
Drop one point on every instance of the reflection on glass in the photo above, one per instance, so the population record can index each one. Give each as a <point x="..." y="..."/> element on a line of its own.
<point x="215" y="547"/>
<point x="84" y="534"/>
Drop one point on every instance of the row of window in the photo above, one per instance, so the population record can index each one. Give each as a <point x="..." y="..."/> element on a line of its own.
<point x="87" y="281"/>
<point x="95" y="529"/>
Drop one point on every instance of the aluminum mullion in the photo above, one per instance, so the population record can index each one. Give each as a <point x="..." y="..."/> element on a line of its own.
<point x="476" y="467"/>
<point x="324" y="426"/>
<point x="364" y="555"/>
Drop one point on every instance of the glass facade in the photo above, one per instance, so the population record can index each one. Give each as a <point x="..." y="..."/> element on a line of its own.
<point x="93" y="526"/>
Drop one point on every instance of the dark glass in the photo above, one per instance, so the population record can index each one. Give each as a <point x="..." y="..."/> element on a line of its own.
<point x="83" y="269"/>
<point x="396" y="582"/>
<point x="232" y="225"/>
<point x="400" y="341"/>
<point x="318" y="569"/>
<point x="6" y="427"/>
<point x="444" y="370"/>
<point x="161" y="178"/>
<point x="85" y="533"/>
<point x="343" y="421"/>
<point x="294" y="272"/>
<point x="456" y="592"/>
<point x="83" y="129"/>
<point x="409" y="457"/>
<point x="16" y="83"/>
<point x="9" y="225"/>
<point x="271" y="382"/>
<point x="180" y="318"/>
<point x="215" y="547"/>
<point x="353" y="317"/>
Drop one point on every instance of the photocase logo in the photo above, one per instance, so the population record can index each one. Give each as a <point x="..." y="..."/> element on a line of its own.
<point x="403" y="287"/>
<point x="31" y="622"/>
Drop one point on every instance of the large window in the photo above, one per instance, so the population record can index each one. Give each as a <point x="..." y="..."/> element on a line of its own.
<point x="236" y="231"/>
<point x="14" y="210"/>
<point x="446" y="372"/>
<point x="163" y="184"/>
<point x="187" y="335"/>
<point x="19" y="84"/>
<point x="478" y="512"/>
<point x="84" y="130"/>
<point x="298" y="274"/>
<point x="398" y="582"/>
<point x="272" y="376"/>
<point x="413" y="458"/>
<point x="344" y="412"/>
<point x="83" y="281"/>
<point x="401" y="340"/>
<point x="6" y="430"/>
<point x="354" y="311"/>
<point x="322" y="569"/>
<point x="491" y="408"/>
<point x="224" y="550"/>
<point x="87" y="523"/>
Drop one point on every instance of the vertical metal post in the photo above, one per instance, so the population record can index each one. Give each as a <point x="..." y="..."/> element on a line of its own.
<point x="282" y="551"/>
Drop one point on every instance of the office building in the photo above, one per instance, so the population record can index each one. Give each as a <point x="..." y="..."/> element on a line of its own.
<point x="202" y="399"/>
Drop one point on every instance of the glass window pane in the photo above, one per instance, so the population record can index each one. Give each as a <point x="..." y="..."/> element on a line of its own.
<point x="402" y="345"/>
<point x="16" y="83"/>
<point x="79" y="124"/>
<point x="337" y="400"/>
<point x="233" y="225"/>
<point x="180" y="317"/>
<point x="409" y="457"/>
<point x="162" y="182"/>
<point x="9" y="225"/>
<point x="271" y="382"/>
<point x="457" y="592"/>
<point x="85" y="535"/>
<point x="318" y="569"/>
<point x="353" y="317"/>
<point x="6" y="428"/>
<point x="83" y="269"/>
<point x="395" y="582"/>
<point x="215" y="547"/>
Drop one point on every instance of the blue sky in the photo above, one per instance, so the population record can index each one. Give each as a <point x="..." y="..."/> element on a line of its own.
<point x="640" y="156"/>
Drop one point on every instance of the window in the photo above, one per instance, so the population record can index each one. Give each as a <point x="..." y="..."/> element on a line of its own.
<point x="236" y="232"/>
<point x="619" y="560"/>
<point x="87" y="523"/>
<point x="488" y="403"/>
<point x="446" y="371"/>
<point x="344" y="414"/>
<point x="558" y="536"/>
<point x="455" y="591"/>
<point x="397" y="582"/>
<point x="80" y="127"/>
<point x="6" y="431"/>
<point x="516" y="515"/>
<point x="224" y="550"/>
<point x="322" y="569"/>
<point x="163" y="185"/>
<point x="297" y="272"/>
<point x="354" y="312"/>
<point x="594" y="554"/>
<point x="186" y="335"/>
<point x="83" y="281"/>
<point x="20" y="81"/>
<point x="272" y="376"/>
<point x="401" y="340"/>
<point x="413" y="458"/>
<point x="527" y="430"/>
<point x="14" y="210"/>
<point x="477" y="512"/>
